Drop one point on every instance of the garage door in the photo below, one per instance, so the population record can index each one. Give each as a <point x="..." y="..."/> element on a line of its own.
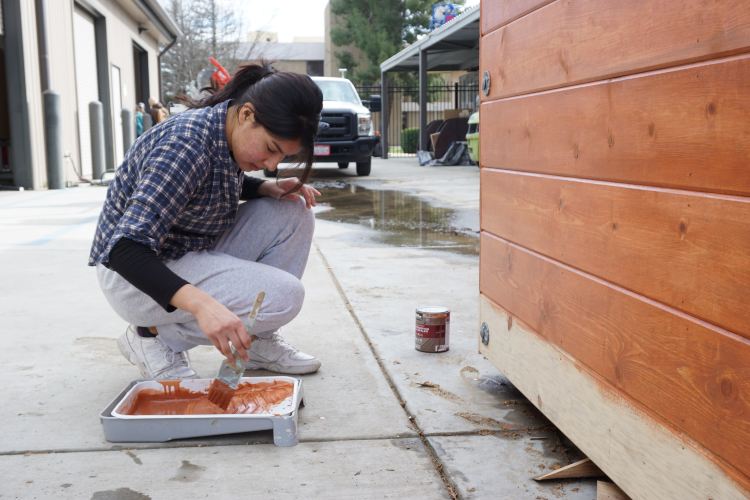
<point x="87" y="86"/>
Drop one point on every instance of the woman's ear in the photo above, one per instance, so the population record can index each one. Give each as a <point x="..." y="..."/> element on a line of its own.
<point x="248" y="113"/>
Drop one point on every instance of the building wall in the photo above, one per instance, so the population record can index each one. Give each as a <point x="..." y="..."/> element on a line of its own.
<point x="4" y="125"/>
<point x="36" y="169"/>
<point x="292" y="66"/>
<point x="63" y="78"/>
<point x="122" y="30"/>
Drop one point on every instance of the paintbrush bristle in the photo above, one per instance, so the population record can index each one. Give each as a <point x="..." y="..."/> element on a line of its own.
<point x="220" y="394"/>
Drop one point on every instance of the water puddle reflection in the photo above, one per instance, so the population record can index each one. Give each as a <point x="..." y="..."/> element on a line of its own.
<point x="400" y="219"/>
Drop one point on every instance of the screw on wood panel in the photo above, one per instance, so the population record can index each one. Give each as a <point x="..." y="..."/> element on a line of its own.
<point x="484" y="333"/>
<point x="486" y="83"/>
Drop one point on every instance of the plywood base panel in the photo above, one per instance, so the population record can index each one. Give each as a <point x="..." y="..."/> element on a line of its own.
<point x="643" y="457"/>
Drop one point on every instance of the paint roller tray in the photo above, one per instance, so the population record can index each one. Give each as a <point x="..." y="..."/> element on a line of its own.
<point x="120" y="427"/>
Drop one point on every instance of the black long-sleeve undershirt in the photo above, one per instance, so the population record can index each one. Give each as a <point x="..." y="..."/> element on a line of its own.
<point x="140" y="266"/>
<point x="143" y="269"/>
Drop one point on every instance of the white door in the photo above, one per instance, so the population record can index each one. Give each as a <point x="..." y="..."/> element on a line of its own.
<point x="87" y="86"/>
<point x="117" y="113"/>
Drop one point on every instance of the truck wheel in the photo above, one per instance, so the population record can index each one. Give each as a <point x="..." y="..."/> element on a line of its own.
<point x="363" y="167"/>
<point x="270" y="173"/>
<point x="343" y="164"/>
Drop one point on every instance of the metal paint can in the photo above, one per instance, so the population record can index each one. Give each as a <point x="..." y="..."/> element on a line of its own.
<point x="432" y="330"/>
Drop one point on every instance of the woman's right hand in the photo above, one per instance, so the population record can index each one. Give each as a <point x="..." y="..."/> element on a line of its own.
<point x="220" y="325"/>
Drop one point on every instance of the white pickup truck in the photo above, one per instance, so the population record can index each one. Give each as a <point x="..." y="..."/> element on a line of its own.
<point x="345" y="132"/>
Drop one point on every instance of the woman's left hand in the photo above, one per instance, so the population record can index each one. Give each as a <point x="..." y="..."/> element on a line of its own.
<point x="277" y="189"/>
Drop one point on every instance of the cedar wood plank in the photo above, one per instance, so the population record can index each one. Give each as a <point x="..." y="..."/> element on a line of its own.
<point x="693" y="375"/>
<point x="687" y="129"/>
<point x="687" y="250"/>
<point x="574" y="41"/>
<point x="645" y="458"/>
<point x="495" y="14"/>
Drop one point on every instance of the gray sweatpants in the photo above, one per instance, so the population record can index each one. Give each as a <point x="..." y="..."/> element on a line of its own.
<point x="265" y="249"/>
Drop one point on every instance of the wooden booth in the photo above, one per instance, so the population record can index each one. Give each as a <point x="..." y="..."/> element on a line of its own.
<point x="615" y="244"/>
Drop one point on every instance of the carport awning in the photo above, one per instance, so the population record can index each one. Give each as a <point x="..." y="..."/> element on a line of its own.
<point x="453" y="46"/>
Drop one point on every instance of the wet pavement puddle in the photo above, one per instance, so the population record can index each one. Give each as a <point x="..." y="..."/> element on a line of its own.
<point x="400" y="219"/>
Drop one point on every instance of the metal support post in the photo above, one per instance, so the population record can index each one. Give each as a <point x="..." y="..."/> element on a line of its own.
<point x="96" y="122"/>
<point x="385" y="114"/>
<point x="423" y="101"/>
<point x="53" y="139"/>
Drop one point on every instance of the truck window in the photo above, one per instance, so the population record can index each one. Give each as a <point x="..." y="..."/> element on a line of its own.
<point x="338" y="91"/>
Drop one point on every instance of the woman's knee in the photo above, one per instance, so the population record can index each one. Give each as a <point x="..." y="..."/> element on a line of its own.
<point x="293" y="211"/>
<point x="283" y="303"/>
<point x="290" y="296"/>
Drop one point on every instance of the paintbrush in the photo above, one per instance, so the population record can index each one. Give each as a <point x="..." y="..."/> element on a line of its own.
<point x="223" y="386"/>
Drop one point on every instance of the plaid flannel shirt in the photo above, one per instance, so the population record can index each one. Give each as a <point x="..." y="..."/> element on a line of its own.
<point x="177" y="190"/>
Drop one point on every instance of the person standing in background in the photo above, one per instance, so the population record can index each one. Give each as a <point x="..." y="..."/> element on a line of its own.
<point x="139" y="111"/>
<point x="158" y="111"/>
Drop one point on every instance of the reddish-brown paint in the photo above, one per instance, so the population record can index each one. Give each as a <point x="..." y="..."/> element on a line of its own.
<point x="257" y="397"/>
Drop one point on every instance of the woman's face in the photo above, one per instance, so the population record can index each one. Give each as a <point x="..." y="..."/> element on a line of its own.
<point x="252" y="146"/>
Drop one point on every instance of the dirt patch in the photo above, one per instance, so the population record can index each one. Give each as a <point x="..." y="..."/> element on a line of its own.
<point x="469" y="372"/>
<point x="134" y="457"/>
<point x="188" y="473"/>
<point x="119" y="494"/>
<point x="439" y="391"/>
<point x="483" y="421"/>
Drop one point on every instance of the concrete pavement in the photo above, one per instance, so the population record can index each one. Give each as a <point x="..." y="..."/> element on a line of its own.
<point x="381" y="419"/>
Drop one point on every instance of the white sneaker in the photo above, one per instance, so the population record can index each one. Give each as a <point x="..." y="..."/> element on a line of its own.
<point x="274" y="354"/>
<point x="154" y="359"/>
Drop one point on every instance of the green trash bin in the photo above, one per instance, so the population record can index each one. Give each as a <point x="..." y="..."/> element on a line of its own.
<point x="472" y="137"/>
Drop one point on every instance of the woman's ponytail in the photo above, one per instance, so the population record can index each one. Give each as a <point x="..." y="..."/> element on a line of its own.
<point x="246" y="77"/>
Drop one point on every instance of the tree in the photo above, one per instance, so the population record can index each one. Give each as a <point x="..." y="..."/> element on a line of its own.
<point x="380" y="29"/>
<point x="209" y="28"/>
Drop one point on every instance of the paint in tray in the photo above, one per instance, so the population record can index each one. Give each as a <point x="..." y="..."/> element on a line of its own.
<point x="183" y="410"/>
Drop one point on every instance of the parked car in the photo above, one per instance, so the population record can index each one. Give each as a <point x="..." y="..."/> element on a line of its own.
<point x="472" y="137"/>
<point x="345" y="133"/>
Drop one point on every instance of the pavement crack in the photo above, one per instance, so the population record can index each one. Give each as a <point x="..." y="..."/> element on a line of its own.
<point x="451" y="488"/>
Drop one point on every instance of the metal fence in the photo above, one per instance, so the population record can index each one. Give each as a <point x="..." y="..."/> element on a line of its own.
<point x="443" y="101"/>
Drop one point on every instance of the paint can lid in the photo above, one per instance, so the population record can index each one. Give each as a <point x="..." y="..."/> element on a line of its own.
<point x="433" y="310"/>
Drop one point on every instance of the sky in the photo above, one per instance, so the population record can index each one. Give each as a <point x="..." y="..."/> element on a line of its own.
<point x="289" y="18"/>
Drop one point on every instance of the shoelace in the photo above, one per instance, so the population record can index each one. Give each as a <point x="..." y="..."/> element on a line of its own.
<point x="283" y="343"/>
<point x="175" y="360"/>
<point x="176" y="357"/>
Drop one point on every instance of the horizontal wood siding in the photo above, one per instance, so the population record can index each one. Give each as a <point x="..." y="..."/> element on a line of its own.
<point x="615" y="210"/>
<point x="574" y="41"/>
<point x="688" y="129"/>
<point x="688" y="250"/>
<point x="691" y="374"/>
<point x="495" y="14"/>
<point x="647" y="461"/>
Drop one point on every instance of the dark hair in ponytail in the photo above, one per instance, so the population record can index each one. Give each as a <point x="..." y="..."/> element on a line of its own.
<point x="287" y="104"/>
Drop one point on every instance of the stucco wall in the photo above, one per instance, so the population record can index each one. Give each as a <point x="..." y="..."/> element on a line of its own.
<point x="122" y="31"/>
<point x="36" y="168"/>
<point x="63" y="77"/>
<point x="292" y="66"/>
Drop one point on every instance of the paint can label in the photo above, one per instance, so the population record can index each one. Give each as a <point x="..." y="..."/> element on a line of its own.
<point x="432" y="329"/>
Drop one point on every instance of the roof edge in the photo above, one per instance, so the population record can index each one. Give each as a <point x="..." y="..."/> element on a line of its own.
<point x="466" y="17"/>
<point x="159" y="17"/>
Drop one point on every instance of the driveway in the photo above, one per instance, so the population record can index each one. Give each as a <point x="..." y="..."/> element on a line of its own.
<point x="380" y="418"/>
